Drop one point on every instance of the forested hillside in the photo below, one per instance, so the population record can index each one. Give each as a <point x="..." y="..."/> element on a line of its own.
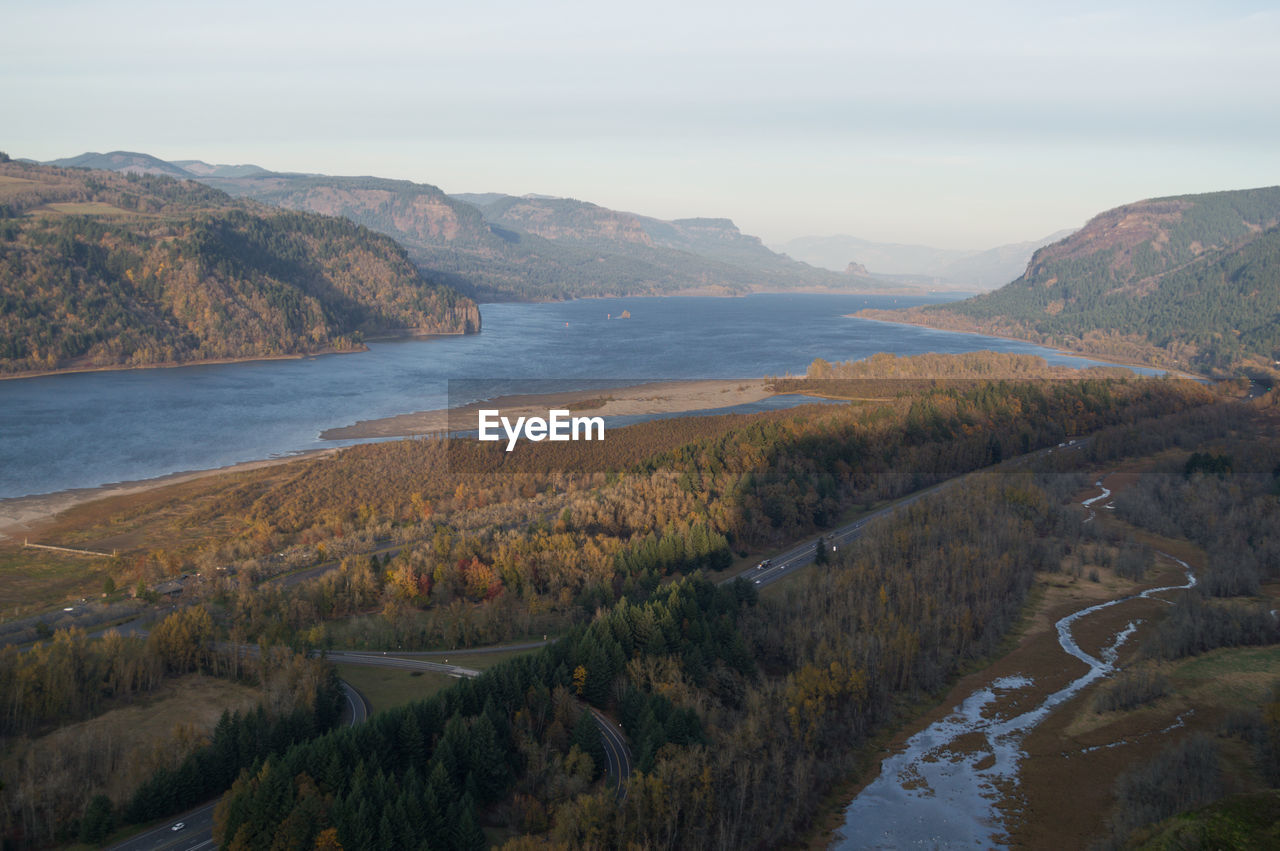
<point x="532" y="249"/>
<point x="100" y="269"/>
<point x="719" y="694"/>
<point x="741" y="712"/>
<point x="1192" y="281"/>
<point x="702" y="251"/>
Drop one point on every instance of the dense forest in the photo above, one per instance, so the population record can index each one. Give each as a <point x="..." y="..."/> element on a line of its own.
<point x="495" y="545"/>
<point x="101" y="269"/>
<point x="741" y="711"/>
<point x="724" y="698"/>
<point x="1191" y="280"/>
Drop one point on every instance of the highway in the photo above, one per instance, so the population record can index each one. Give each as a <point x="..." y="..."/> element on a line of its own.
<point x="196" y="833"/>
<point x="786" y="563"/>
<point x="617" y="754"/>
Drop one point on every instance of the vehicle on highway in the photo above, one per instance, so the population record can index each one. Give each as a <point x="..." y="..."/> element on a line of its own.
<point x="762" y="565"/>
<point x="178" y="826"/>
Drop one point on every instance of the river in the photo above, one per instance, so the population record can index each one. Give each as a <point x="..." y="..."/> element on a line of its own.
<point x="83" y="430"/>
<point x="938" y="792"/>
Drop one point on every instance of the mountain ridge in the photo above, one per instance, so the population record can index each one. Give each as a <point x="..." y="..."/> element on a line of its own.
<point x="534" y="247"/>
<point x="1190" y="281"/>
<point x="102" y="269"/>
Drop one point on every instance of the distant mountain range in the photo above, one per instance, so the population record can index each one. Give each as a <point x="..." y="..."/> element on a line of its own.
<point x="128" y="162"/>
<point x="921" y="264"/>
<point x="1189" y="280"/>
<point x="532" y="248"/>
<point x="100" y="269"/>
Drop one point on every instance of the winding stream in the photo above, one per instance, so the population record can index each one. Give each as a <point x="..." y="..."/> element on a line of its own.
<point x="942" y="788"/>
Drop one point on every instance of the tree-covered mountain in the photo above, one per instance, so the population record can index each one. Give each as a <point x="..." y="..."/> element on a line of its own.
<point x="532" y="248"/>
<point x="537" y="248"/>
<point x="1190" y="280"/>
<point x="101" y="269"/>
<point x="702" y="249"/>
<point x="125" y="162"/>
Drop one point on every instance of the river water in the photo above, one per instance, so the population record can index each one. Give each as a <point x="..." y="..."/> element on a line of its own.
<point x="937" y="793"/>
<point x="83" y="430"/>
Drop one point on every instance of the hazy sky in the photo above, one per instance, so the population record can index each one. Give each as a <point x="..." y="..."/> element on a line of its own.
<point x="958" y="125"/>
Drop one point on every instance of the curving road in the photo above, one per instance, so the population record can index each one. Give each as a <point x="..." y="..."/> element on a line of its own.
<point x="617" y="754"/>
<point x="196" y="831"/>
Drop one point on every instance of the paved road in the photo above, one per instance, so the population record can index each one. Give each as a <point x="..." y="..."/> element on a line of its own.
<point x="385" y="660"/>
<point x="617" y="754"/>
<point x="198" y="824"/>
<point x="786" y="563"/>
<point x="196" y="833"/>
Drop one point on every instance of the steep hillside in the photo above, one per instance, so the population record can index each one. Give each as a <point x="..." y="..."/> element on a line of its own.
<point x="699" y="251"/>
<point x="103" y="269"/>
<point x="1192" y="280"/>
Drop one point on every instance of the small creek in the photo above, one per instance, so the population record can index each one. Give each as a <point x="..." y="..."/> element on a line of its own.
<point x="942" y="787"/>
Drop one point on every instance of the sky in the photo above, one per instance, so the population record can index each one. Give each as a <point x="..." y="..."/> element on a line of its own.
<point x="954" y="125"/>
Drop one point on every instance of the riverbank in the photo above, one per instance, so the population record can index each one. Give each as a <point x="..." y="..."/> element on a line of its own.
<point x="905" y="318"/>
<point x="74" y="370"/>
<point x="19" y="515"/>
<point x="665" y="397"/>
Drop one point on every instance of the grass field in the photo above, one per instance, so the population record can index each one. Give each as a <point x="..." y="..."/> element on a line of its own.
<point x="85" y="208"/>
<point x="118" y="749"/>
<point x="387" y="688"/>
<point x="37" y="580"/>
<point x="1232" y="676"/>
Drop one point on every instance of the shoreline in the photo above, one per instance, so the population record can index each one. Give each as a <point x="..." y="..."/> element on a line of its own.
<point x="360" y="349"/>
<point x="661" y="397"/>
<point x="75" y="370"/>
<point x="1174" y="372"/>
<point x="19" y="513"/>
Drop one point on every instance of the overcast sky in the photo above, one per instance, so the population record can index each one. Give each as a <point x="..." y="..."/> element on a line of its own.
<point x="957" y="125"/>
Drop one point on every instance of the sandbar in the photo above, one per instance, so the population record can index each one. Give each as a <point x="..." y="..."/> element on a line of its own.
<point x="662" y="397"/>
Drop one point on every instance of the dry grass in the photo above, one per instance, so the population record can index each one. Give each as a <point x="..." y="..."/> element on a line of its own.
<point x="37" y="580"/>
<point x="116" y="751"/>
<point x="387" y="688"/>
<point x="84" y="208"/>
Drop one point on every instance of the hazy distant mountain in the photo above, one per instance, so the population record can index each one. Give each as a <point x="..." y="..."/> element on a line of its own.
<point x="890" y="258"/>
<point x="127" y="162"/>
<point x="941" y="266"/>
<point x="534" y="247"/>
<point x="702" y="250"/>
<point x="537" y="247"/>
<point x="997" y="266"/>
<point x="1191" y="280"/>
<point x="109" y="269"/>
<point x="199" y="168"/>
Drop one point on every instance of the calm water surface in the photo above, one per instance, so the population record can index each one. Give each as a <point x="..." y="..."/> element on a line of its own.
<point x="89" y="429"/>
